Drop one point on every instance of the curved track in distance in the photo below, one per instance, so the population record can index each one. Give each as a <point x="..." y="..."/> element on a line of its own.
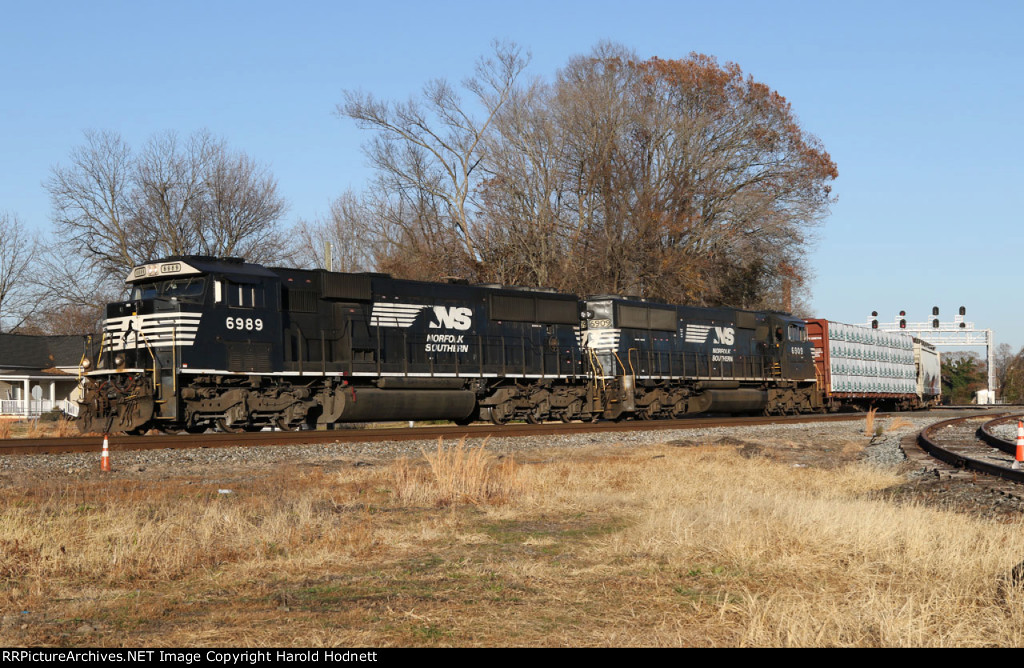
<point x="961" y="444"/>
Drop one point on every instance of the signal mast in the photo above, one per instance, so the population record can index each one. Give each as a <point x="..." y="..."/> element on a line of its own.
<point x="959" y="333"/>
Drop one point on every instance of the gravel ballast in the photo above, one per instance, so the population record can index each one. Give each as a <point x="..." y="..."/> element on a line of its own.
<point x="818" y="444"/>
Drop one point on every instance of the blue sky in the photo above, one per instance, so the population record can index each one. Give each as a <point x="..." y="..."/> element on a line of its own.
<point x="919" y="103"/>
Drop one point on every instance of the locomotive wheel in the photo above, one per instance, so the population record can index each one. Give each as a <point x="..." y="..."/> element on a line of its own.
<point x="538" y="412"/>
<point x="495" y="415"/>
<point x="284" y="425"/>
<point x="223" y="425"/>
<point x="650" y="411"/>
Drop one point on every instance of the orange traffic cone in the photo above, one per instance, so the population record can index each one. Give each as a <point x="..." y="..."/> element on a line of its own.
<point x="1020" y="445"/>
<point x="105" y="458"/>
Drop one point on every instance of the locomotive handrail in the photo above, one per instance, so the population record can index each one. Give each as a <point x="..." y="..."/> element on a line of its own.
<point x="174" y="364"/>
<point x="149" y="349"/>
<point x="619" y="360"/>
<point x="323" y="353"/>
<point x="99" y="356"/>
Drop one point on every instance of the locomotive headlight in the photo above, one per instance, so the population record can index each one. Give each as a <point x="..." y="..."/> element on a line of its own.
<point x="119" y="359"/>
<point x="86" y="363"/>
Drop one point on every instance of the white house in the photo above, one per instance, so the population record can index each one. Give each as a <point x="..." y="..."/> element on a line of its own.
<point x="38" y="373"/>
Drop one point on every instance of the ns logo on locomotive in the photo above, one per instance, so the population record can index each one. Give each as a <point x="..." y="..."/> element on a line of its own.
<point x="206" y="342"/>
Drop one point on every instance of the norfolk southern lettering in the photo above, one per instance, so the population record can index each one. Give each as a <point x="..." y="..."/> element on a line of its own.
<point x="446" y="343"/>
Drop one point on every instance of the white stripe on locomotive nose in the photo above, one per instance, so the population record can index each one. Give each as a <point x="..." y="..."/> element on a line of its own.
<point x="159" y="330"/>
<point x="600" y="339"/>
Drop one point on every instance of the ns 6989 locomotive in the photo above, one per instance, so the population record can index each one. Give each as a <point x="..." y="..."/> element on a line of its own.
<point x="205" y="342"/>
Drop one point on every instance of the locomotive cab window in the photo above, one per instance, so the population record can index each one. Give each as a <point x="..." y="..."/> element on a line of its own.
<point x="184" y="289"/>
<point x="797" y="333"/>
<point x="245" y="295"/>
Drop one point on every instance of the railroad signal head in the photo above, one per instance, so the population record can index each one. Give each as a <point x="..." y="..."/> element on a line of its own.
<point x="902" y="313"/>
<point x="935" y="310"/>
<point x="935" y="323"/>
<point x="874" y="314"/>
<point x="963" y="311"/>
<point x="903" y="324"/>
<point x="874" y="324"/>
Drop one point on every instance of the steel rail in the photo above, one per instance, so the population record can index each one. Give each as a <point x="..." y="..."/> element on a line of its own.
<point x="123" y="442"/>
<point x="926" y="440"/>
<point x="985" y="434"/>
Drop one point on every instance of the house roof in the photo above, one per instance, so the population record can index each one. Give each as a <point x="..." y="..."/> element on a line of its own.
<point x="19" y="352"/>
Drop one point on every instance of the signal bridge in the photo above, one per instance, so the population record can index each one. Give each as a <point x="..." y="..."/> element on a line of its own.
<point x="958" y="333"/>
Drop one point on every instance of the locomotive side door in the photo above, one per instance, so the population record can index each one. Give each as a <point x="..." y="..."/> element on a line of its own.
<point x="797" y="360"/>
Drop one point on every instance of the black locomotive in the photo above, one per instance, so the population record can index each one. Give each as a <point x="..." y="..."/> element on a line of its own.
<point x="205" y="342"/>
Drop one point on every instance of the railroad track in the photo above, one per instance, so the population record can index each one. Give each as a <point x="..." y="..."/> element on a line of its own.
<point x="972" y="444"/>
<point x="120" y="442"/>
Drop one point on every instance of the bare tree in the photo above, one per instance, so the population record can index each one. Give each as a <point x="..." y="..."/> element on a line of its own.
<point x="93" y="207"/>
<point x="429" y="150"/>
<point x="346" y="232"/>
<point x="681" y="180"/>
<point x="70" y="294"/>
<point x="530" y="233"/>
<point x="693" y="183"/>
<point x="170" y="190"/>
<point x="17" y="251"/>
<point x="175" y="197"/>
<point x="1010" y="373"/>
<point x="239" y="211"/>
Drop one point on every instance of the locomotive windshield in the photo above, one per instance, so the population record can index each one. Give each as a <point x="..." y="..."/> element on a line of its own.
<point x="183" y="289"/>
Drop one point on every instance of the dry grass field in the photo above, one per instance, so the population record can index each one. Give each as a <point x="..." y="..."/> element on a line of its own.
<point x="35" y="428"/>
<point x="670" y="545"/>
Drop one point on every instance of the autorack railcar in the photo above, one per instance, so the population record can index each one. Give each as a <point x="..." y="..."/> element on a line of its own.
<point x="863" y="367"/>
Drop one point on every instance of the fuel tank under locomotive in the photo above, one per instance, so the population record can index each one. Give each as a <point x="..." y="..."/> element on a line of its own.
<point x="364" y="404"/>
<point x="729" y="401"/>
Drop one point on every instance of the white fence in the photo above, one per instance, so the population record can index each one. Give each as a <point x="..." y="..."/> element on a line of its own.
<point x="37" y="407"/>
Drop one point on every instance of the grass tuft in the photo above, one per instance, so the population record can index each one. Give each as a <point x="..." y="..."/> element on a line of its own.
<point x="869" y="422"/>
<point x="457" y="475"/>
<point x="899" y="423"/>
